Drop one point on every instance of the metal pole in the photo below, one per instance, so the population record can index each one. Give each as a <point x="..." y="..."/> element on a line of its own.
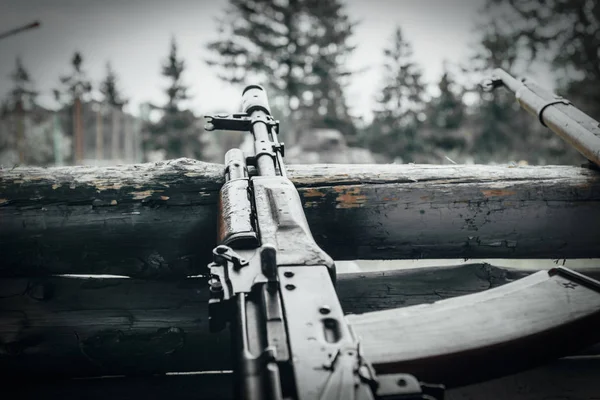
<point x="78" y="131"/>
<point x="27" y="27"/>
<point x="554" y="112"/>
<point x="115" y="134"/>
<point x="57" y="136"/>
<point x="20" y="114"/>
<point x="99" y="132"/>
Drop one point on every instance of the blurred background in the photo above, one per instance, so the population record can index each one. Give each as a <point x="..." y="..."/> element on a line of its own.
<point x="351" y="81"/>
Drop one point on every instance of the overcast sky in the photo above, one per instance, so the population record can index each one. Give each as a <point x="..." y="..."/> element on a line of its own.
<point x="134" y="36"/>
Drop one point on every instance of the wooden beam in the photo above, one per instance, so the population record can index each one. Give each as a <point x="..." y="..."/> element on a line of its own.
<point x="566" y="379"/>
<point x="158" y="220"/>
<point x="65" y="326"/>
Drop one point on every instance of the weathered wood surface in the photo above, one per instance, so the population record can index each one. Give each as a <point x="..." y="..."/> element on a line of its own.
<point x="87" y="327"/>
<point x="565" y="379"/>
<point x="157" y="220"/>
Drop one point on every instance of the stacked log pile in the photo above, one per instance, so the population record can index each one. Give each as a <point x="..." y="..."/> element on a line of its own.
<point x="153" y="226"/>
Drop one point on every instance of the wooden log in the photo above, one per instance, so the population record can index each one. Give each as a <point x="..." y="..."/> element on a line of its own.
<point x="175" y="387"/>
<point x="157" y="220"/>
<point x="565" y="379"/>
<point x="150" y="220"/>
<point x="64" y="326"/>
<point x="568" y="379"/>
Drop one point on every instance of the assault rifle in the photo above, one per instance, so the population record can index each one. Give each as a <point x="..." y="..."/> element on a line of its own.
<point x="274" y="286"/>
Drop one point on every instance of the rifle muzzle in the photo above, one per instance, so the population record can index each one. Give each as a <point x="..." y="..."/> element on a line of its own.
<point x="254" y="97"/>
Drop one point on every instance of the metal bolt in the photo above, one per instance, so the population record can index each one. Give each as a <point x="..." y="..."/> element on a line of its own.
<point x="288" y="274"/>
<point x="290" y="287"/>
<point x="324" y="310"/>
<point x="215" y="285"/>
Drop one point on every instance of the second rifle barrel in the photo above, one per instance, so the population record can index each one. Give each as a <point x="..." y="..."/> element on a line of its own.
<point x="559" y="115"/>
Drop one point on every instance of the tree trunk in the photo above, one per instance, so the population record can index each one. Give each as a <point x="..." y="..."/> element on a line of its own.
<point x="158" y="220"/>
<point x="99" y="132"/>
<point x="115" y="134"/>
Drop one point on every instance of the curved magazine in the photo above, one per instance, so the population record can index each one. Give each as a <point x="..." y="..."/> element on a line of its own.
<point x="482" y="336"/>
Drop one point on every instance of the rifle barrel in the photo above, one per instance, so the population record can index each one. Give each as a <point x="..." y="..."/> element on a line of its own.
<point x="556" y="113"/>
<point x="507" y="80"/>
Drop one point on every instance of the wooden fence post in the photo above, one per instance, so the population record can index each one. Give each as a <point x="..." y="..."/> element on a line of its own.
<point x="99" y="132"/>
<point x="116" y="134"/>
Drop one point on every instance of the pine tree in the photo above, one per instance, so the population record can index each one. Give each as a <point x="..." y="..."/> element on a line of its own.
<point x="76" y="85"/>
<point x="4" y="108"/>
<point x="22" y="95"/>
<point x="503" y="131"/>
<point x="20" y="100"/>
<point x="518" y="32"/>
<point x="447" y="109"/>
<point x="265" y="40"/>
<point x="446" y="114"/>
<point x="297" y="48"/>
<point x="498" y="117"/>
<point x="564" y="32"/>
<point x="76" y="89"/>
<point x="173" y="70"/>
<point x="331" y="34"/>
<point x="110" y="91"/>
<point x="400" y="106"/>
<point x="177" y="132"/>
